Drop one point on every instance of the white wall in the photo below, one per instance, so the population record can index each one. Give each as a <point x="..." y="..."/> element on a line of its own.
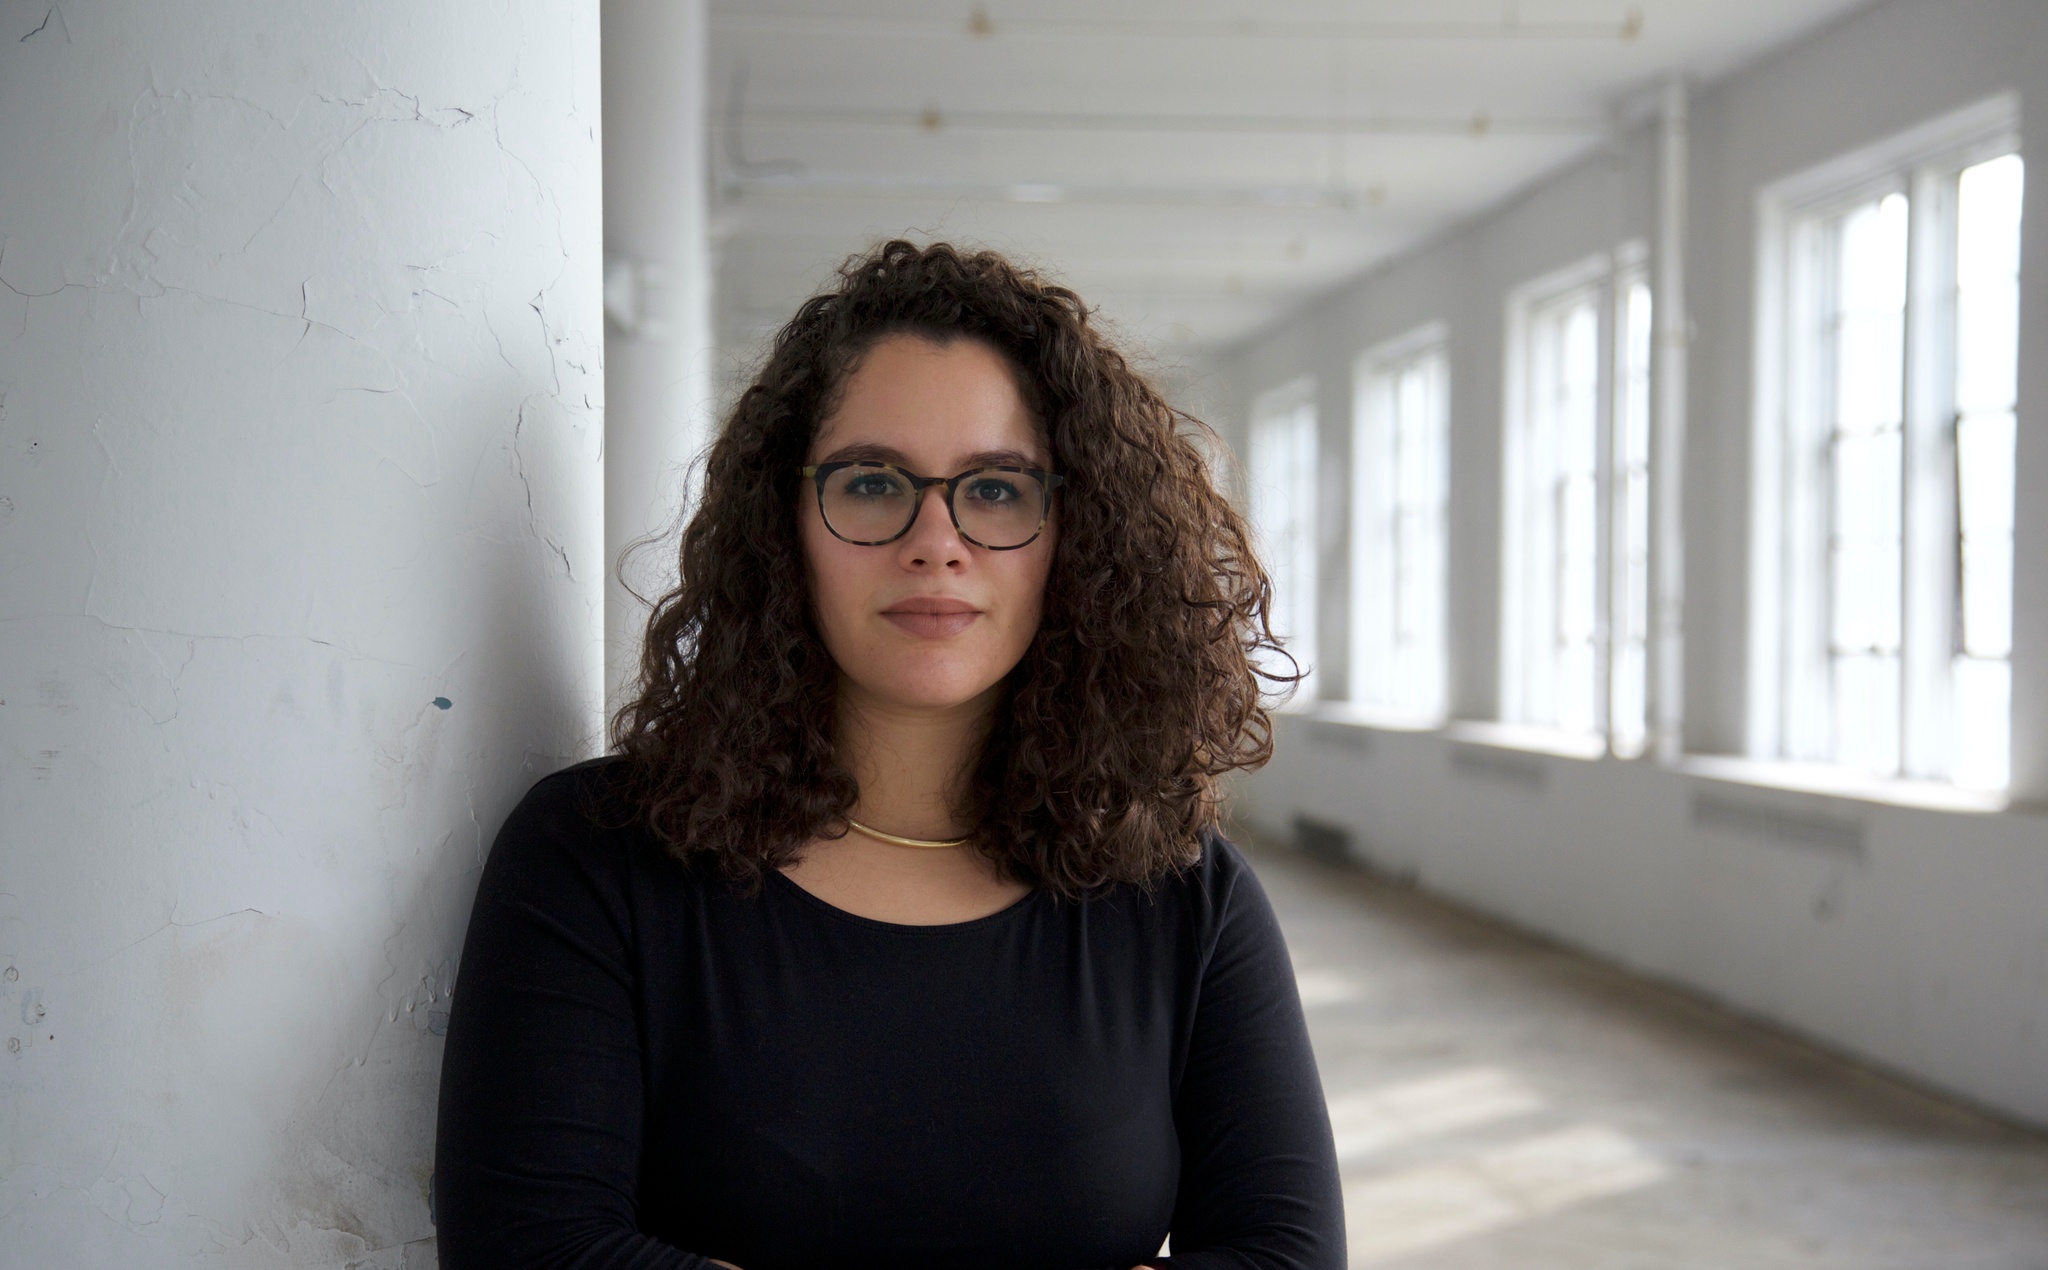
<point x="300" y="409"/>
<point x="1913" y="937"/>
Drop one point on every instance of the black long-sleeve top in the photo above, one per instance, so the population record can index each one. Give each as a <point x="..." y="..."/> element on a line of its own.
<point x="647" y="1066"/>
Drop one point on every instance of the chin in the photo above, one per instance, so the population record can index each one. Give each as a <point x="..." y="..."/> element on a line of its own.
<point x="935" y="693"/>
<point x="934" y="683"/>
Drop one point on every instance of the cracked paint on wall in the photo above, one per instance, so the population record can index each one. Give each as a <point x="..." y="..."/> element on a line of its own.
<point x="300" y="422"/>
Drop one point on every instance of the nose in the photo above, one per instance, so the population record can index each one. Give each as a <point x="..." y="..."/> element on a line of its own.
<point x="932" y="540"/>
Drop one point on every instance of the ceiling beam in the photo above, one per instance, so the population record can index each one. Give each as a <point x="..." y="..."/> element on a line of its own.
<point x="933" y="119"/>
<point x="1625" y="27"/>
<point x="844" y="185"/>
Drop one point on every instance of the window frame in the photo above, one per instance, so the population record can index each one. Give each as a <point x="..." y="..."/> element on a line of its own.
<point x="1377" y="560"/>
<point x="1631" y="600"/>
<point x="1789" y="698"/>
<point x="1521" y="608"/>
<point x="1288" y="405"/>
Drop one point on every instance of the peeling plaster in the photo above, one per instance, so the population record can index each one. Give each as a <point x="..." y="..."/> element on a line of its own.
<point x="300" y="337"/>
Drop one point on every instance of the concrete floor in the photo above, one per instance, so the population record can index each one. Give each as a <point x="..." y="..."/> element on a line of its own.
<point x="1502" y="1104"/>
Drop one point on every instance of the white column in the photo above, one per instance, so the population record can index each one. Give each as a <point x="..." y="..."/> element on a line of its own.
<point x="1673" y="323"/>
<point x="658" y="297"/>
<point x="301" y="544"/>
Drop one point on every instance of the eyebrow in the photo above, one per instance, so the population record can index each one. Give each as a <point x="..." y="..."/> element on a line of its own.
<point x="868" y="452"/>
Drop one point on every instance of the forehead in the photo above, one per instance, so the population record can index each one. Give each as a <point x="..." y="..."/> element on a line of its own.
<point x="930" y="405"/>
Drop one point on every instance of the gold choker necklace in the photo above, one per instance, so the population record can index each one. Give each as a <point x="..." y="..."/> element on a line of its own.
<point x="879" y="836"/>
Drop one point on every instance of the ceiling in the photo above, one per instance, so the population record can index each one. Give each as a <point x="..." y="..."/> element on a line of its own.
<point x="1195" y="168"/>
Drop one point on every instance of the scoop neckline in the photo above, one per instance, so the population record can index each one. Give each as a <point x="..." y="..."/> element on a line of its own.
<point x="910" y="928"/>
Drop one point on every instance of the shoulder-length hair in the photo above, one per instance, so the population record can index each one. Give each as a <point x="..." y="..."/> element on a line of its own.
<point x="1139" y="692"/>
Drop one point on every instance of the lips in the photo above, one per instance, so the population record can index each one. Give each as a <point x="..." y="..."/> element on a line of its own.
<point x="931" y="616"/>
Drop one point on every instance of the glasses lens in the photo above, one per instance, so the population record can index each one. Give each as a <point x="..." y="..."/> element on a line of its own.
<point x="998" y="508"/>
<point x="867" y="503"/>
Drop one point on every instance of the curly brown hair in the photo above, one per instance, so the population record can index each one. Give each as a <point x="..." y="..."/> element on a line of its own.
<point x="1140" y="690"/>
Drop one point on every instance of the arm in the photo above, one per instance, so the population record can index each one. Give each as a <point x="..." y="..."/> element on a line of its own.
<point x="1258" y="1184"/>
<point x="538" y="1151"/>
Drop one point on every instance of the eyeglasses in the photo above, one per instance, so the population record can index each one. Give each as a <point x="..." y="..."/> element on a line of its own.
<point x="870" y="504"/>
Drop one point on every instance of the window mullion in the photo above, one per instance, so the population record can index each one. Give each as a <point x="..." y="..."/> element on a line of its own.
<point x="1928" y="602"/>
<point x="1607" y="311"/>
<point x="1806" y="579"/>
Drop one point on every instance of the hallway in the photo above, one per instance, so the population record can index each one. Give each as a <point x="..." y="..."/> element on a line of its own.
<point x="1500" y="1102"/>
<point x="1638" y="415"/>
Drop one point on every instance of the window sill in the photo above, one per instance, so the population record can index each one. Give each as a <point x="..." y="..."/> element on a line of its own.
<point x="1532" y="740"/>
<point x="1840" y="782"/>
<point x="1503" y="736"/>
<point x="1377" y="718"/>
<point x="1803" y="778"/>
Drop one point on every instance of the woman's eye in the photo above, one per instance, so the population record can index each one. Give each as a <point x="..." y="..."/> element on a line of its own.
<point x="991" y="490"/>
<point x="871" y="486"/>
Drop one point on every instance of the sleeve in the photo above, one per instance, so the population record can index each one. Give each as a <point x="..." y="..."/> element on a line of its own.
<point x="537" y="1154"/>
<point x="1258" y="1185"/>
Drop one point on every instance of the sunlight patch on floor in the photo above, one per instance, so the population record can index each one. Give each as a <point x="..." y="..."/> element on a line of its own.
<point x="1373" y="1120"/>
<point x="1324" y="987"/>
<point x="1414" y="1209"/>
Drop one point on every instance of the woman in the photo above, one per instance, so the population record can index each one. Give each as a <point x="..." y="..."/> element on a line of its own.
<point x="899" y="933"/>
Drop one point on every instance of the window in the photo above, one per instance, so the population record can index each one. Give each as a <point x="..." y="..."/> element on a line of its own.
<point x="1576" y="549"/>
<point x="1284" y="463"/>
<point x="1885" y="454"/>
<point x="1986" y="385"/>
<point x="1858" y="336"/>
<point x="1399" y="489"/>
<point x="1551" y="553"/>
<point x="1629" y="512"/>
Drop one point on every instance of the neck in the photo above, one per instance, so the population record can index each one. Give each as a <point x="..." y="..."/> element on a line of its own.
<point x="912" y="763"/>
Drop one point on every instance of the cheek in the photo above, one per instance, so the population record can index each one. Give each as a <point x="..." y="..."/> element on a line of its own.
<point x="1029" y="587"/>
<point x="833" y="587"/>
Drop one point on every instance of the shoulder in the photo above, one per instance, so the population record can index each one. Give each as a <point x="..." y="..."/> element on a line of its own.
<point x="1218" y="876"/>
<point x="588" y="794"/>
<point x="1216" y="890"/>
<point x="574" y="826"/>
